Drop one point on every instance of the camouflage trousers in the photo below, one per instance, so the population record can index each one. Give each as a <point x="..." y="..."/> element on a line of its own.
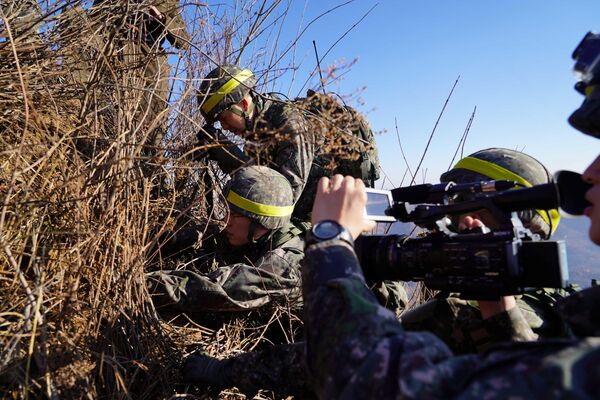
<point x="280" y="369"/>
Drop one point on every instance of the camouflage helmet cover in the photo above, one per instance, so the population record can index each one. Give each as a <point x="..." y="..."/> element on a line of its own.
<point x="480" y="166"/>
<point x="222" y="87"/>
<point x="261" y="194"/>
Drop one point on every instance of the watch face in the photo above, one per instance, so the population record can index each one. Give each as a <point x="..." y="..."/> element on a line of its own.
<point x="326" y="230"/>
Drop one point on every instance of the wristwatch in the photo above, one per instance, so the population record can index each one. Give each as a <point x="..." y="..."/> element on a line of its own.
<point x="328" y="230"/>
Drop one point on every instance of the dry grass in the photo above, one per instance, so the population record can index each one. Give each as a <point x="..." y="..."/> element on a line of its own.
<point x="85" y="190"/>
<point x="87" y="186"/>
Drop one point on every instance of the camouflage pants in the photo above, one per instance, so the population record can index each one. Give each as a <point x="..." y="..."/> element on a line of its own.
<point x="280" y="369"/>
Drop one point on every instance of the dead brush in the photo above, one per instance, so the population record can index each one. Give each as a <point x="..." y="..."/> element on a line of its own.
<point x="93" y="173"/>
<point x="80" y="180"/>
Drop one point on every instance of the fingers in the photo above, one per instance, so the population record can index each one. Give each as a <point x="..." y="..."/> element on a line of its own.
<point x="323" y="185"/>
<point x="468" y="222"/>
<point x="336" y="182"/>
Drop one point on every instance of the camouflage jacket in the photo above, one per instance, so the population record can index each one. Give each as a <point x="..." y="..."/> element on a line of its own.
<point x="459" y="324"/>
<point x="280" y="139"/>
<point x="356" y="349"/>
<point x="243" y="280"/>
<point x="172" y="28"/>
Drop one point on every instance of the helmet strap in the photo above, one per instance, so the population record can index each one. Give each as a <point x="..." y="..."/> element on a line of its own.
<point x="252" y="231"/>
<point x="244" y="109"/>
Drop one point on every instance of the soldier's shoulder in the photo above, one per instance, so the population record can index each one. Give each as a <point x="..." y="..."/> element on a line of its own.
<point x="279" y="112"/>
<point x="581" y="311"/>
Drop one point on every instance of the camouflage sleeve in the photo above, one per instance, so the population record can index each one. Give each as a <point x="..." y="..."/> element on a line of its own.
<point x="581" y="311"/>
<point x="507" y="326"/>
<point x="176" y="32"/>
<point x="235" y="287"/>
<point x="356" y="348"/>
<point x="23" y="17"/>
<point x="294" y="154"/>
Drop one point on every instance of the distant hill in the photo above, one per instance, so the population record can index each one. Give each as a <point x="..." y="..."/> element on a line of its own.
<point x="582" y="255"/>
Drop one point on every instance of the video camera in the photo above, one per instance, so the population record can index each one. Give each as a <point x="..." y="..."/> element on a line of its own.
<point x="483" y="264"/>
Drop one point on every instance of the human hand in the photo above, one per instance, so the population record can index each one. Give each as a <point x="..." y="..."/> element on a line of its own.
<point x="468" y="222"/>
<point x="156" y="14"/>
<point x="342" y="199"/>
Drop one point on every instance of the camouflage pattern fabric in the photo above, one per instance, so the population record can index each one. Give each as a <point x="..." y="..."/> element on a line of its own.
<point x="265" y="186"/>
<point x="279" y="369"/>
<point x="515" y="161"/>
<point x="459" y="324"/>
<point x="581" y="311"/>
<point x="136" y="51"/>
<point x="281" y="139"/>
<point x="244" y="279"/>
<point x="356" y="349"/>
<point x="23" y="18"/>
<point x="215" y="81"/>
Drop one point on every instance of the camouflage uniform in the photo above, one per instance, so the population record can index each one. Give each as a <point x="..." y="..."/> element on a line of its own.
<point x="356" y="349"/>
<point x="245" y="279"/>
<point x="249" y="276"/>
<point x="581" y="312"/>
<point x="24" y="20"/>
<point x="279" y="138"/>
<point x="280" y="369"/>
<point x="285" y="135"/>
<point x="460" y="325"/>
<point x="136" y="53"/>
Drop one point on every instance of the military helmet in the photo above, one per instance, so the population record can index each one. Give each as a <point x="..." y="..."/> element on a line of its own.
<point x="222" y="87"/>
<point x="261" y="194"/>
<point x="506" y="164"/>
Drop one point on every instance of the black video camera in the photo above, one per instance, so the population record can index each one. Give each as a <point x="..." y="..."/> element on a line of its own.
<point x="481" y="265"/>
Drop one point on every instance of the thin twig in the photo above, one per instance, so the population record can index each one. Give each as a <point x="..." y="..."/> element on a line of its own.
<point x="433" y="130"/>
<point x="463" y="139"/>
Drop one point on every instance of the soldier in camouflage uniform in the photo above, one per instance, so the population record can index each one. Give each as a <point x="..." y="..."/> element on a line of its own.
<point x="258" y="253"/>
<point x="277" y="134"/>
<point x="460" y="323"/>
<point x="357" y="349"/>
<point x="125" y="48"/>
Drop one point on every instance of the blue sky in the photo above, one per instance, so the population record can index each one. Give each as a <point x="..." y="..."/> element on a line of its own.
<point x="514" y="62"/>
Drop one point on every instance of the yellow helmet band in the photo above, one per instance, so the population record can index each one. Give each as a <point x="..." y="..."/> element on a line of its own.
<point x="227" y="87"/>
<point x="258" y="208"/>
<point x="496" y="172"/>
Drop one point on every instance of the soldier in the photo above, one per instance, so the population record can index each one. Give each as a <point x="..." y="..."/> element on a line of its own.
<point x="129" y="38"/>
<point x="289" y="138"/>
<point x="277" y="134"/>
<point x="461" y="324"/>
<point x="357" y="349"/>
<point x="258" y="253"/>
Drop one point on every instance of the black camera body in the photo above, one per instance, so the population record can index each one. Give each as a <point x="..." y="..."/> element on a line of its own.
<point x="476" y="265"/>
<point x="482" y="264"/>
